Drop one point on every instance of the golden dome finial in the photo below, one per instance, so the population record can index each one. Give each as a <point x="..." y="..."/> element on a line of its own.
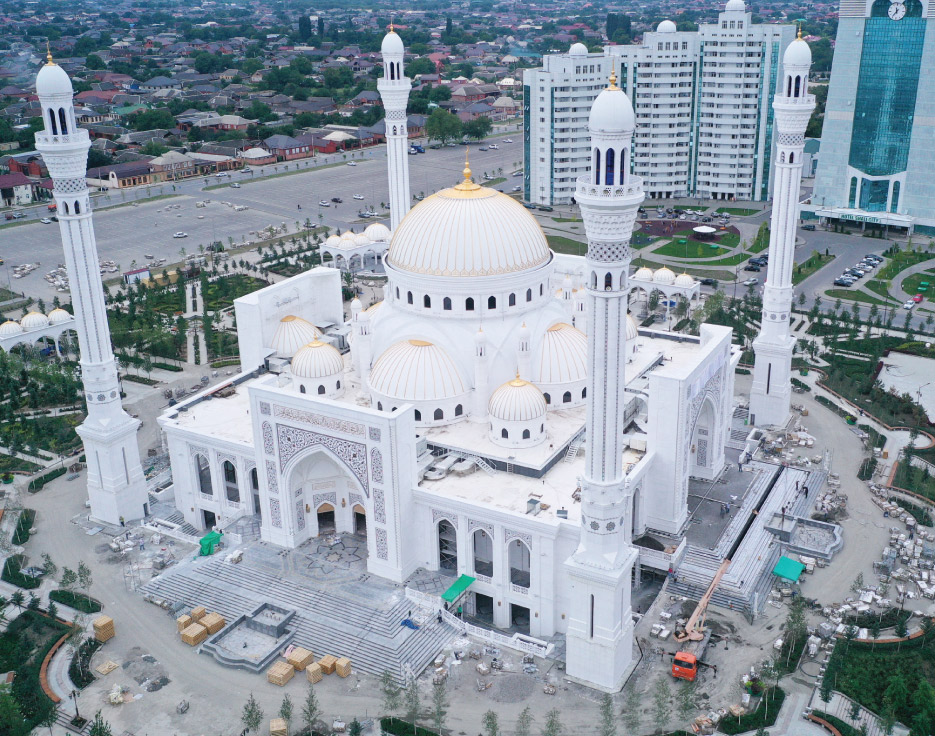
<point x="613" y="79"/>
<point x="48" y="55"/>
<point x="392" y="26"/>
<point x="799" y="34"/>
<point x="467" y="184"/>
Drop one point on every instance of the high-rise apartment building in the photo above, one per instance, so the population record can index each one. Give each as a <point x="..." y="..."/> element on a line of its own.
<point x="878" y="139"/>
<point x="703" y="103"/>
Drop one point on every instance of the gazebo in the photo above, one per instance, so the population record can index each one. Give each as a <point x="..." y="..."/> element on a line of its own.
<point x="704" y="232"/>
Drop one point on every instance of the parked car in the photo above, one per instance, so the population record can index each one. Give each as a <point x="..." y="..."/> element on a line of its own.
<point x="517" y="173"/>
<point x="706" y="219"/>
<point x="358" y="196"/>
<point x="917" y="298"/>
<point x="751" y="281"/>
<point x="874" y="257"/>
<point x="517" y="189"/>
<point x="235" y="185"/>
<point x="180" y="235"/>
<point x="808" y="227"/>
<point x="45" y="221"/>
<point x="752" y="267"/>
<point x="507" y="140"/>
<point x="909" y="305"/>
<point x="337" y="200"/>
<point x="545" y="208"/>
<point x="843" y="282"/>
<point x="493" y="147"/>
<point x="529" y="205"/>
<point x="418" y="148"/>
<point x="482" y="148"/>
<point x="708" y="282"/>
<point x="324" y="203"/>
<point x="246" y="169"/>
<point x="352" y="163"/>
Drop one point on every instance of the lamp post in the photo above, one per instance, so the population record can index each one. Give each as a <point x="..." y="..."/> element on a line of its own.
<point x="74" y="696"/>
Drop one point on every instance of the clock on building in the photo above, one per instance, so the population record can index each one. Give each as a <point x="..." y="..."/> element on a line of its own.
<point x="897" y="10"/>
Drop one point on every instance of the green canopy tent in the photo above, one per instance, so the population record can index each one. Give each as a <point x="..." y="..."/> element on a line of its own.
<point x="788" y="569"/>
<point x="209" y="541"/>
<point x="457" y="588"/>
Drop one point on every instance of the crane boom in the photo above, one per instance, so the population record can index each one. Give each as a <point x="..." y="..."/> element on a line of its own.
<point x="694" y="627"/>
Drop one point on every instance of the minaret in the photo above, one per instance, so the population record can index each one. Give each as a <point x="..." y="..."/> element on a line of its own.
<point x="116" y="486"/>
<point x="394" y="91"/>
<point x="600" y="630"/>
<point x="770" y="394"/>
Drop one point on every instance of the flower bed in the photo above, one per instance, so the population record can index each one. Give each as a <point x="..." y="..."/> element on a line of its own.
<point x="79" y="602"/>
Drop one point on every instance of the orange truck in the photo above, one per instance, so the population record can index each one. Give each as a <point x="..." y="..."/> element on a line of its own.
<point x="694" y="637"/>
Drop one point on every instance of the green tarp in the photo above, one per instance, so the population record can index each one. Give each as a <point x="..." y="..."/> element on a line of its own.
<point x="458" y="587"/>
<point x="208" y="542"/>
<point x="788" y="569"/>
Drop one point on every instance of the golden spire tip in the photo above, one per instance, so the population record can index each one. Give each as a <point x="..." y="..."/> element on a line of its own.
<point x="613" y="79"/>
<point x="48" y="54"/>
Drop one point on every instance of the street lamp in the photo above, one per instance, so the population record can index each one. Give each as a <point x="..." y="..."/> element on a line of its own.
<point x="74" y="696"/>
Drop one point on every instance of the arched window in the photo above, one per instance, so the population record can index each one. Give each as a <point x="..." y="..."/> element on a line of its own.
<point x="427" y="301"/>
<point x="379" y="406"/>
<point x="584" y="392"/>
<point x="302" y="388"/>
<point x="77" y="207"/>
<point x="459" y="410"/>
<point x="791" y="158"/>
<point x="397" y="292"/>
<point x="541" y="289"/>
<point x="418" y="415"/>
<point x="230" y="482"/>
<point x="491" y="302"/>
<point x="788" y="86"/>
<point x="782" y="157"/>
<point x="338" y="385"/>
<point x="399" y="70"/>
<point x="321" y="390"/>
<point x="254" y="480"/>
<point x="566" y="397"/>
<point x="609" y="167"/>
<point x="409" y="296"/>
<point x="61" y="119"/>
<point x="446" y="303"/>
<point x="483" y="553"/>
<point x="541" y="428"/>
<point x="597" y="166"/>
<point x="66" y="207"/>
<point x="469" y="304"/>
<point x="526" y="434"/>
<point x="528" y="295"/>
<point x="622" y="166"/>
<point x="512" y="300"/>
<point x="504" y="434"/>
<point x="798" y="82"/>
<point x="392" y="71"/>
<point x="548" y="399"/>
<point x="204" y="475"/>
<point x="519" y="563"/>
<point x="53" y="126"/>
<point x="439" y="415"/>
<point x="608" y="281"/>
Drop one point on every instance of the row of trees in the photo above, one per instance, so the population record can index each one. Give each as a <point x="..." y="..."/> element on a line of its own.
<point x="444" y="126"/>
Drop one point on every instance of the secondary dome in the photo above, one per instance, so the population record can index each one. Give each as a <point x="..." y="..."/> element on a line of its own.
<point x="797" y="53"/>
<point x="10" y="328"/>
<point x="58" y="316"/>
<point x="317" y="360"/>
<point x="683" y="279"/>
<point x="468" y="230"/>
<point x="735" y="5"/>
<point x="612" y="111"/>
<point x="667" y="26"/>
<point x="34" y="321"/>
<point x="578" y="49"/>
<point x="333" y="240"/>
<point x="53" y="80"/>
<point x="361" y="240"/>
<point x="416" y="370"/>
<point x="392" y="44"/>
<point x="632" y="330"/>
<point x="377" y="232"/>
<point x="293" y="332"/>
<point x="517" y="401"/>
<point x="664" y="276"/>
<point x="644" y="274"/>
<point x="564" y="356"/>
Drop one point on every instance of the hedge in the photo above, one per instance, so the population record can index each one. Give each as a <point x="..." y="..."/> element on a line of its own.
<point x="37" y="483"/>
<point x="79" y="670"/>
<point x="867" y="468"/>
<point x="21" y="533"/>
<point x="168" y="367"/>
<point x="75" y="600"/>
<point x="225" y="363"/>
<point x="887" y="619"/>
<point x="12" y="575"/>
<point x="844" y="728"/>
<point x="760" y="717"/>
<point x="399" y="727"/>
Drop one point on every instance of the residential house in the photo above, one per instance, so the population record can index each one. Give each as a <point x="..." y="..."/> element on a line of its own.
<point x="120" y="176"/>
<point x="15" y="190"/>
<point x="159" y="83"/>
<point x="287" y="148"/>
<point x="172" y="166"/>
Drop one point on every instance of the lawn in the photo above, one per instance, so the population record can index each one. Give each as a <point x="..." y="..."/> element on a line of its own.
<point x="641" y="240"/>
<point x="878" y="287"/>
<point x="910" y="284"/>
<point x="733" y="260"/>
<point x="815" y="262"/>
<point x="221" y="293"/>
<point x="854" y="296"/>
<point x="9" y="464"/>
<point x="493" y="182"/>
<point x="55" y="434"/>
<point x="690" y="249"/>
<point x="739" y="211"/>
<point x="561" y="244"/>
<point x="899" y="261"/>
<point x="567" y="219"/>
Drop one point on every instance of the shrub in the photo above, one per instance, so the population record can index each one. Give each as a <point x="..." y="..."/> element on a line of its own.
<point x="75" y="600"/>
<point x="13" y="576"/>
<point x="21" y="533"/>
<point x="844" y="728"/>
<point x="866" y="469"/>
<point x="78" y="670"/>
<point x="399" y="727"/>
<point x="765" y="714"/>
<point x="225" y="363"/>
<point x="887" y="619"/>
<point x="37" y="483"/>
<point x="168" y="367"/>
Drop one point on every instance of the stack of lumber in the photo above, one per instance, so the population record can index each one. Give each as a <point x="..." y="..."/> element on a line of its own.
<point x="277" y="727"/>
<point x="343" y="667"/>
<point x="300" y="658"/>
<point x="183" y="622"/>
<point x="327" y="663"/>
<point x="104" y="628"/>
<point x="198" y="613"/>
<point x="280" y="673"/>
<point x="194" y="635"/>
<point x="313" y="672"/>
<point x="213" y="622"/>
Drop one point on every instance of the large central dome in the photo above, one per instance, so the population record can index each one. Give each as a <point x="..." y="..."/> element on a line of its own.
<point x="468" y="230"/>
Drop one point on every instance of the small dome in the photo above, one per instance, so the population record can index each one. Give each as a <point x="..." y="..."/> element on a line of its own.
<point x="378" y="232"/>
<point x="356" y="306"/>
<point x="59" y="316"/>
<point x="517" y="401"/>
<point x="392" y="44"/>
<point x="10" y="328"/>
<point x="564" y="356"/>
<point x="416" y="370"/>
<point x="53" y="80"/>
<point x="683" y="279"/>
<point x="361" y="240"/>
<point x="293" y="332"/>
<point x="735" y="5"/>
<point x="333" y="241"/>
<point x="644" y="274"/>
<point x="667" y="26"/>
<point x="317" y="360"/>
<point x="348" y="235"/>
<point x="797" y="53"/>
<point x="664" y="276"/>
<point x="612" y="112"/>
<point x="632" y="329"/>
<point x="34" y="321"/>
<point x="578" y="49"/>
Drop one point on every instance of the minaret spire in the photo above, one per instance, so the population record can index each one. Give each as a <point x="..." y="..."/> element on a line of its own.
<point x="772" y="373"/>
<point x="116" y="486"/>
<point x="394" y="89"/>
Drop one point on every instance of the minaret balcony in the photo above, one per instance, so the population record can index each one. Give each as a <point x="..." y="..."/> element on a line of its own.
<point x="794" y="102"/>
<point x="78" y="137"/>
<point x="609" y="194"/>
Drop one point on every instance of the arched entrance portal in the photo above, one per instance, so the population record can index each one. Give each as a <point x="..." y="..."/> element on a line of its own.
<point x="325" y="514"/>
<point x="447" y="547"/>
<point x="327" y="498"/>
<point x="360" y="520"/>
<point x="702" y="442"/>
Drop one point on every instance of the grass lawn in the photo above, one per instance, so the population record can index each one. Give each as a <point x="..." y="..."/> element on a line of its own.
<point x="814" y="263"/>
<point x="690" y="249"/>
<point x="733" y="260"/>
<point x="759" y="246"/>
<point x="561" y="244"/>
<point x="701" y="273"/>
<point x="878" y="287"/>
<point x="55" y="434"/>
<point x="567" y="219"/>
<point x="854" y="296"/>
<point x="900" y="262"/>
<point x="493" y="182"/>
<point x="739" y="211"/>
<point x="8" y="463"/>
<point x="910" y="284"/>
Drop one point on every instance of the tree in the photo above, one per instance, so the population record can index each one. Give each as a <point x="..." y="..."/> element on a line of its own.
<point x="686" y="699"/>
<point x="795" y="626"/>
<point x="354" y="728"/>
<point x="608" y="725"/>
<point x="553" y="724"/>
<point x="391" y="692"/>
<point x="17" y="599"/>
<point x="439" y="705"/>
<point x="93" y="61"/>
<point x="411" y="697"/>
<point x="661" y="704"/>
<point x="491" y="724"/>
<point x="305" y="27"/>
<point x="84" y="579"/>
<point x="310" y="710"/>
<point x="52" y="610"/>
<point x="448" y="26"/>
<point x="47" y="716"/>
<point x="631" y="711"/>
<point x="442" y="126"/>
<point x="100" y="727"/>
<point x="49" y="567"/>
<point x="285" y="711"/>
<point x="321" y="27"/>
<point x="523" y="722"/>
<point x="477" y="128"/>
<point x="252" y="714"/>
<point x="154" y="148"/>
<point x="11" y="717"/>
